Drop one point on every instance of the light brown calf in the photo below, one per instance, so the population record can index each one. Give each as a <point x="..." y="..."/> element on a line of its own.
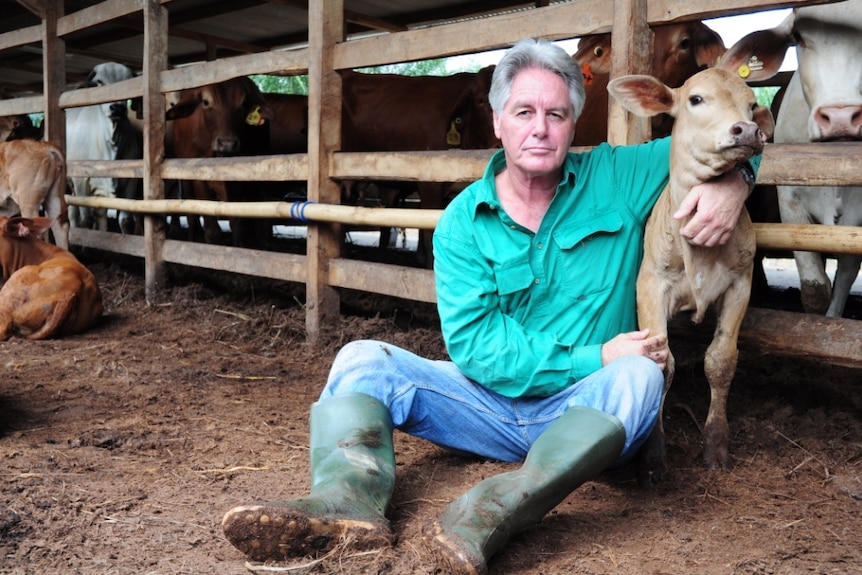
<point x="33" y="175"/>
<point x="718" y="125"/>
<point x="48" y="292"/>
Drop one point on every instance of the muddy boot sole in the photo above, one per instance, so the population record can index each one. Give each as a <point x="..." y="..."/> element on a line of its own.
<point x="450" y="556"/>
<point x="266" y="532"/>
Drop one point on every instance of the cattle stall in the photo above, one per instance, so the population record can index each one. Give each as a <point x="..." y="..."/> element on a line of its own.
<point x="327" y="47"/>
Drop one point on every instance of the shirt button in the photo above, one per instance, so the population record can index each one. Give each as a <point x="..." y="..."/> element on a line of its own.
<point x="539" y="246"/>
<point x="513" y="226"/>
<point x="537" y="281"/>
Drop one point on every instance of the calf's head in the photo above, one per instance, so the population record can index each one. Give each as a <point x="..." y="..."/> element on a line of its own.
<point x="718" y="120"/>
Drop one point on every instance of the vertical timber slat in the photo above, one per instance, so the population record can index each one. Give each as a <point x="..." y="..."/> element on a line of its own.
<point x="325" y="30"/>
<point x="54" y="78"/>
<point x="155" y="61"/>
<point x="632" y="49"/>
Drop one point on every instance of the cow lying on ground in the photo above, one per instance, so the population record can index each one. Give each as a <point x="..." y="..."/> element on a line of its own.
<point x="47" y="291"/>
<point x="823" y="103"/>
<point x="33" y="176"/>
<point x="718" y="125"/>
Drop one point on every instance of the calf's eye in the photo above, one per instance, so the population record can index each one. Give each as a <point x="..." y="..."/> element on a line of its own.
<point x="695" y="100"/>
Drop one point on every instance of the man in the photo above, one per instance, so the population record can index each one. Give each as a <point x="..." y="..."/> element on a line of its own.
<point x="535" y="267"/>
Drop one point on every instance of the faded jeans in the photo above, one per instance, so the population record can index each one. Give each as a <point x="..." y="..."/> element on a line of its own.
<point x="432" y="399"/>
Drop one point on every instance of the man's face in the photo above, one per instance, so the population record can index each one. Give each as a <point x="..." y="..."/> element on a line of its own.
<point x="536" y="125"/>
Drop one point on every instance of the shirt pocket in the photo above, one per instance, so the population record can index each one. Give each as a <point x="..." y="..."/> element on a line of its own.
<point x="585" y="263"/>
<point x="513" y="276"/>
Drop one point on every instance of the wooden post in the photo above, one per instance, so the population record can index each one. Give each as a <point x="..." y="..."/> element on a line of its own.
<point x="54" y="77"/>
<point x="631" y="39"/>
<point x="155" y="60"/>
<point x="325" y="29"/>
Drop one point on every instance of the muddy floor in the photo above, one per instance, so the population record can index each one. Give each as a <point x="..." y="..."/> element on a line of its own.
<point x="122" y="448"/>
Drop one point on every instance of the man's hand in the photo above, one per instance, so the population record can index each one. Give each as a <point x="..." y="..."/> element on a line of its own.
<point x="636" y="343"/>
<point x="715" y="207"/>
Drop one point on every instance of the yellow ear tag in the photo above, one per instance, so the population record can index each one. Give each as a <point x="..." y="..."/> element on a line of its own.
<point x="744" y="71"/>
<point x="453" y="136"/>
<point x="254" y="118"/>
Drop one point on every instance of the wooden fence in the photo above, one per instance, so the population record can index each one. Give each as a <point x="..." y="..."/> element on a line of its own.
<point x="324" y="270"/>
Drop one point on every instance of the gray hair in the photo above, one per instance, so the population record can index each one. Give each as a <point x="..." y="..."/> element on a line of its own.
<point x="536" y="53"/>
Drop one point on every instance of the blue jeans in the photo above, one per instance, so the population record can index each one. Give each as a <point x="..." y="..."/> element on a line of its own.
<point x="432" y="399"/>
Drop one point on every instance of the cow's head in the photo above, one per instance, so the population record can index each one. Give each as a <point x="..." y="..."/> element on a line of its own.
<point x="225" y="110"/>
<point x="679" y="51"/>
<point x="471" y="124"/>
<point x="828" y="40"/>
<point x="18" y="127"/>
<point x="108" y="73"/>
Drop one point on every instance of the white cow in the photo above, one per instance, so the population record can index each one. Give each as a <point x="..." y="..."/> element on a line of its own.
<point x="91" y="135"/>
<point x="823" y="103"/>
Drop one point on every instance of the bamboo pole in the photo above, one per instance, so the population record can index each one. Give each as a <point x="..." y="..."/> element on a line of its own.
<point x="299" y="211"/>
<point x="815" y="238"/>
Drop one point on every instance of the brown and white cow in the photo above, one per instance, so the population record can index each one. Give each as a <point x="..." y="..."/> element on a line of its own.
<point x="823" y="103"/>
<point x="33" y="177"/>
<point x="718" y="125"/>
<point x="229" y="118"/>
<point x="679" y="51"/>
<point x="47" y="291"/>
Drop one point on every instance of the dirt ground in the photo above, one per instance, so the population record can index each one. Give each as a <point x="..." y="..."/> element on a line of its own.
<point x="122" y="448"/>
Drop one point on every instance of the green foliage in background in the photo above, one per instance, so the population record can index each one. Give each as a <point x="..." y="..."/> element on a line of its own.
<point x="299" y="84"/>
<point x="765" y="95"/>
<point x="281" y="84"/>
<point x="435" y="67"/>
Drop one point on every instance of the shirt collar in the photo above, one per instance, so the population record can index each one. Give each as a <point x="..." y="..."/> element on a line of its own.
<point x="487" y="194"/>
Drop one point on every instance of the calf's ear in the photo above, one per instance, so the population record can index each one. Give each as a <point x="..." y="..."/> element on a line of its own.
<point x="642" y="95"/>
<point x="765" y="121"/>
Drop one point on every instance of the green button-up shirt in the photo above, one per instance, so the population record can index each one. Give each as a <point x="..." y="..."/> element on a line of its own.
<point x="526" y="314"/>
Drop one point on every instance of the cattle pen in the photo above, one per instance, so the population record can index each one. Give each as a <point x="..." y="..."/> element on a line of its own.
<point x="327" y="48"/>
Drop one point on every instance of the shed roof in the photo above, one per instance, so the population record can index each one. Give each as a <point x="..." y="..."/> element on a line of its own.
<point x="201" y="30"/>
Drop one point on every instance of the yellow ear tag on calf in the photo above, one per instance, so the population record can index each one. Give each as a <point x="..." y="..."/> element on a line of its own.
<point x="744" y="71"/>
<point x="254" y="118"/>
<point x="453" y="136"/>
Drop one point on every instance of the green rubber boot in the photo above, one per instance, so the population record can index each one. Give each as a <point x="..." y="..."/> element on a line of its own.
<point x="352" y="478"/>
<point x="574" y="449"/>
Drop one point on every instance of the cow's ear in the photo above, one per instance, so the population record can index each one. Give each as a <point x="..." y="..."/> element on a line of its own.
<point x="17" y="227"/>
<point x="642" y="95"/>
<point x="759" y="55"/>
<point x="765" y="121"/>
<point x="182" y="109"/>
<point x="709" y="46"/>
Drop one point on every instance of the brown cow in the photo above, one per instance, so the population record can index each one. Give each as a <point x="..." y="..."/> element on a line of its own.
<point x="288" y="131"/>
<point x="718" y="125"/>
<point x="679" y="51"/>
<point x="47" y="291"/>
<point x="225" y="119"/>
<point x="390" y="112"/>
<point x="33" y="176"/>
